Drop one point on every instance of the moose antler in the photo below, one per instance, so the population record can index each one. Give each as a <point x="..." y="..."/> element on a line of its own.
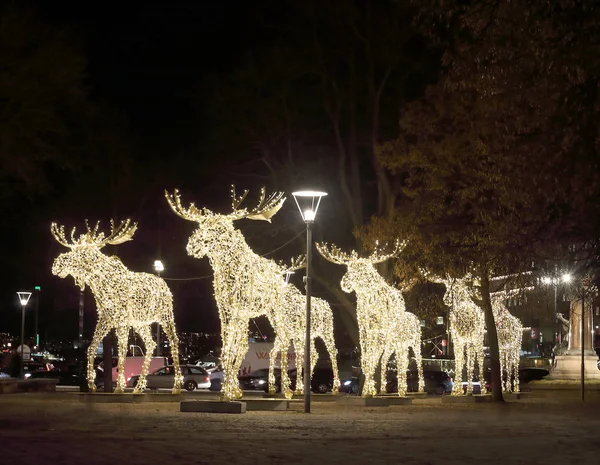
<point x="59" y="234"/>
<point x="296" y="264"/>
<point x="335" y="254"/>
<point x="192" y="213"/>
<point x="267" y="206"/>
<point x="378" y="257"/>
<point x="122" y="233"/>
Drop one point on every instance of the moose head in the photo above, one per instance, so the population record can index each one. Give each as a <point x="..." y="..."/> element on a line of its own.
<point x="361" y="272"/>
<point x="85" y="250"/>
<point x="212" y="227"/>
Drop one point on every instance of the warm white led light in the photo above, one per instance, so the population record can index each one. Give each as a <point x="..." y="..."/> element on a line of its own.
<point x="510" y="338"/>
<point x="466" y="327"/>
<point x="124" y="299"/>
<point x="247" y="286"/>
<point x="385" y="327"/>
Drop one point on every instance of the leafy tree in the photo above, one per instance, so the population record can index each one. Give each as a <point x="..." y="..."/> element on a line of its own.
<point x="493" y="165"/>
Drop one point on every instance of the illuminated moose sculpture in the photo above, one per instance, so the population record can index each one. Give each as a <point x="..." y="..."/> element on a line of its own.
<point x="467" y="329"/>
<point x="124" y="299"/>
<point x="510" y="337"/>
<point x="321" y="326"/>
<point x="246" y="286"/>
<point x="384" y="326"/>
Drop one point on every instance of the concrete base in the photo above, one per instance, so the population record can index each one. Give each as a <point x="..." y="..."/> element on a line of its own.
<point x="8" y="385"/>
<point x="208" y="406"/>
<point x="565" y="390"/>
<point x="514" y="395"/>
<point x="267" y="404"/>
<point x="569" y="367"/>
<point x="363" y="401"/>
<point x="473" y="399"/>
<point x="397" y="400"/>
<point x="416" y="395"/>
<point x="127" y="398"/>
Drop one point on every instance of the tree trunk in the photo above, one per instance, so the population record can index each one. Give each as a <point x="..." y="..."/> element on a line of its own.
<point x="496" y="380"/>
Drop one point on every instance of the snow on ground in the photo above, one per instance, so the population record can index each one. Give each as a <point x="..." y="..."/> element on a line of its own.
<point x="58" y="429"/>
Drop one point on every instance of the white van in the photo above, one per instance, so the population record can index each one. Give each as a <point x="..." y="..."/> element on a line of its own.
<point x="133" y="367"/>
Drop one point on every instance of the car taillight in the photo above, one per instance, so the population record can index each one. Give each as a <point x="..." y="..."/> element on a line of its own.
<point x="206" y="379"/>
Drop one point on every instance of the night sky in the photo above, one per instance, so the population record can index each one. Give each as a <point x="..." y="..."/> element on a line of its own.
<point x="148" y="63"/>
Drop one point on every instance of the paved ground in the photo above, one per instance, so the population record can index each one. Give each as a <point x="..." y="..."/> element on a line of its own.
<point x="58" y="429"/>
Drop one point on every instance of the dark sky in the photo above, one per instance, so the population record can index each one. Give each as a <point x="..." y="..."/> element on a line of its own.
<point x="147" y="61"/>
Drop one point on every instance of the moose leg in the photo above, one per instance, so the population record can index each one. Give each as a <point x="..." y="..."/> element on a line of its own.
<point x="419" y="362"/>
<point x="285" y="377"/>
<point x="168" y="327"/>
<point x="327" y="337"/>
<point x="299" y="348"/>
<point x="146" y="335"/>
<point x="235" y="345"/>
<point x="459" y="353"/>
<point x="122" y="340"/>
<point x="101" y="330"/>
<point x="470" y="363"/>
<point x="383" y="375"/>
<point x="272" y="357"/>
<point x="402" y="366"/>
<point x="480" y="361"/>
<point x="369" y="362"/>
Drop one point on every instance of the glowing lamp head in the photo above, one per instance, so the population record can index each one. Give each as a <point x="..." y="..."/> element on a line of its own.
<point x="308" y="203"/>
<point x="309" y="216"/>
<point x="23" y="302"/>
<point x="158" y="266"/>
<point x="547" y="280"/>
<point x="567" y="278"/>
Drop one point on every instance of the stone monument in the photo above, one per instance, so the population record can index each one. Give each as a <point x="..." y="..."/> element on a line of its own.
<point x="568" y="365"/>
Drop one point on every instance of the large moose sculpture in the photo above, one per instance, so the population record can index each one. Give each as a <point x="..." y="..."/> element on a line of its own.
<point x="385" y="327"/>
<point x="246" y="285"/>
<point x="124" y="299"/>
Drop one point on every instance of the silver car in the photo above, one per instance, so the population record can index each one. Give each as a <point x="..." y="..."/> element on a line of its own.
<point x="194" y="377"/>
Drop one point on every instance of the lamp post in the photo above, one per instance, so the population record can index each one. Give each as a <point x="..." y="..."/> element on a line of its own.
<point x="158" y="267"/>
<point x="308" y="204"/>
<point x="23" y="298"/>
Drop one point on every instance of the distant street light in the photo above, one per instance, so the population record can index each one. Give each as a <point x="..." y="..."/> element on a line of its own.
<point x="159" y="268"/>
<point x="308" y="204"/>
<point x="24" y="297"/>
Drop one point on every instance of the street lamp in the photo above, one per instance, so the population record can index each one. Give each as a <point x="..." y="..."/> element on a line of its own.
<point x="308" y="204"/>
<point x="23" y="298"/>
<point x="159" y="268"/>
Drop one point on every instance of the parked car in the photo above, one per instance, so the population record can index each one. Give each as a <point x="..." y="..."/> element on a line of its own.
<point x="65" y="378"/>
<point x="257" y="379"/>
<point x="194" y="377"/>
<point x="526" y="374"/>
<point x="350" y="386"/>
<point x="437" y="382"/>
<point x="321" y="382"/>
<point x="216" y="378"/>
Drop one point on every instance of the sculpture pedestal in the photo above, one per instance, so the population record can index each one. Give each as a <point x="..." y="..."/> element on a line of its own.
<point x="569" y="367"/>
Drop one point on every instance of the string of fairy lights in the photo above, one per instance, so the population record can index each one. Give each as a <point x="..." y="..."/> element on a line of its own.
<point x="124" y="299"/>
<point x="384" y="326"/>
<point x="247" y="285"/>
<point x="467" y="329"/>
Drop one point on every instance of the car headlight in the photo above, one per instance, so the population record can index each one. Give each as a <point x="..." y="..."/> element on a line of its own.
<point x="261" y="381"/>
<point x="347" y="383"/>
<point x="27" y="375"/>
